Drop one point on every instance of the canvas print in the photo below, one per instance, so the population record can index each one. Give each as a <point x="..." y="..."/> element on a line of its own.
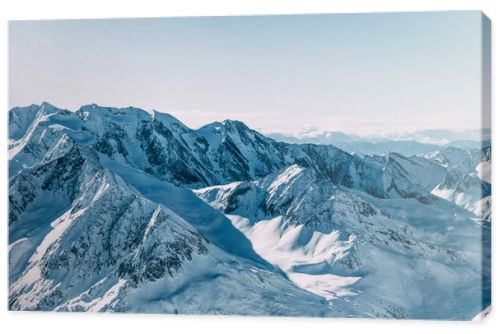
<point x="333" y="165"/>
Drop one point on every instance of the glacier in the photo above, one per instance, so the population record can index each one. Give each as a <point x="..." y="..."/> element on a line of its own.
<point x="121" y="210"/>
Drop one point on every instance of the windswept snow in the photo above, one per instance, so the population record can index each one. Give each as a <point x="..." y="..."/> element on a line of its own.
<point x="483" y="170"/>
<point x="300" y="253"/>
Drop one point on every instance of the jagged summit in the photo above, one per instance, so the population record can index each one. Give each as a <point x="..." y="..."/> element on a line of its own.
<point x="227" y="125"/>
<point x="166" y="117"/>
<point x="127" y="113"/>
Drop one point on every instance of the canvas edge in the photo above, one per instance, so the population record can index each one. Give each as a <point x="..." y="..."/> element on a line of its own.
<point x="485" y="135"/>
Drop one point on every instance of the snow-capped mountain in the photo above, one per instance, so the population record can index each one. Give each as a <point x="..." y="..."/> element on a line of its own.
<point x="468" y="178"/>
<point x="117" y="209"/>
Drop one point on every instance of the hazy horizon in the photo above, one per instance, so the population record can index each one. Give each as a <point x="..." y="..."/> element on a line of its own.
<point x="353" y="73"/>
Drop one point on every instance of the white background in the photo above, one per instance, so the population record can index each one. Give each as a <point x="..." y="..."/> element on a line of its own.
<point x="121" y="323"/>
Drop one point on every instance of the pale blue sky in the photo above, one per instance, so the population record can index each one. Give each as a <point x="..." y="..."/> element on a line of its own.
<point x="356" y="73"/>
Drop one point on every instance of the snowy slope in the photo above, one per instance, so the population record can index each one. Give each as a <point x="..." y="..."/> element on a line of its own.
<point x="356" y="251"/>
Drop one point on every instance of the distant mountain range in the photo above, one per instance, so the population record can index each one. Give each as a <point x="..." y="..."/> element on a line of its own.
<point x="409" y="144"/>
<point x="119" y="210"/>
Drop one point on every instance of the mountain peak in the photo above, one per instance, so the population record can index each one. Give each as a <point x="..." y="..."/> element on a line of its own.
<point x="46" y="104"/>
<point x="46" y="108"/>
<point x="235" y="124"/>
<point x="166" y="118"/>
<point x="117" y="115"/>
<point x="226" y="124"/>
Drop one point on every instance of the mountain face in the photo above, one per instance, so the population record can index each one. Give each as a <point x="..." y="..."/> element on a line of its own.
<point x="124" y="211"/>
